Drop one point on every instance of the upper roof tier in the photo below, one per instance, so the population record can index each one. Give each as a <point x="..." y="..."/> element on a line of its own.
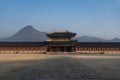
<point x="60" y="34"/>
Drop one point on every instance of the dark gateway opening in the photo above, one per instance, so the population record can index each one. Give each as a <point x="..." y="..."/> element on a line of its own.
<point x="60" y="49"/>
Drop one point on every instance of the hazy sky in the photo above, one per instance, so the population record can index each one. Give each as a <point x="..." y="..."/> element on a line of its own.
<point x="99" y="18"/>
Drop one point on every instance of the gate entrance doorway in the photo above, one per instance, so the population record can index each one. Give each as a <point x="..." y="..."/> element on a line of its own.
<point x="60" y="49"/>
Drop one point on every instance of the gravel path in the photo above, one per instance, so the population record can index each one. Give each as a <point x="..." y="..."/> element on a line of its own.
<point x="58" y="69"/>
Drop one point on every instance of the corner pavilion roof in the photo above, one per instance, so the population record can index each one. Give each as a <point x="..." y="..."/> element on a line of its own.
<point x="60" y="34"/>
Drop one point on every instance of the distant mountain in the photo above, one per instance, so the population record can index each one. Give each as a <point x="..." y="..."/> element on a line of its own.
<point x="95" y="39"/>
<point x="27" y="34"/>
<point x="114" y="40"/>
<point x="88" y="39"/>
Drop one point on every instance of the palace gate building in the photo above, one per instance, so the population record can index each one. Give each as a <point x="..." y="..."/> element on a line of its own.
<point x="60" y="42"/>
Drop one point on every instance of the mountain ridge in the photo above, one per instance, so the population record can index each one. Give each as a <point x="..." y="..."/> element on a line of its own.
<point x="29" y="34"/>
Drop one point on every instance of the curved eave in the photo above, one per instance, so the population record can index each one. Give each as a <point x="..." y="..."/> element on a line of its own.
<point x="61" y="35"/>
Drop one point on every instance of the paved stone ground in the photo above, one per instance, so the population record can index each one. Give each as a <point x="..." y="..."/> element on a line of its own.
<point x="58" y="69"/>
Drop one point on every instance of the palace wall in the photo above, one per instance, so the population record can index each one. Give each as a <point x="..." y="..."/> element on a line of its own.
<point x="23" y="49"/>
<point x="43" y="49"/>
<point x="97" y="50"/>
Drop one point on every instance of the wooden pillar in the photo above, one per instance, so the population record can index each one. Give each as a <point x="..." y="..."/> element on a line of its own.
<point x="50" y="48"/>
<point x="75" y="49"/>
<point x="64" y="48"/>
<point x="57" y="48"/>
<point x="71" y="48"/>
